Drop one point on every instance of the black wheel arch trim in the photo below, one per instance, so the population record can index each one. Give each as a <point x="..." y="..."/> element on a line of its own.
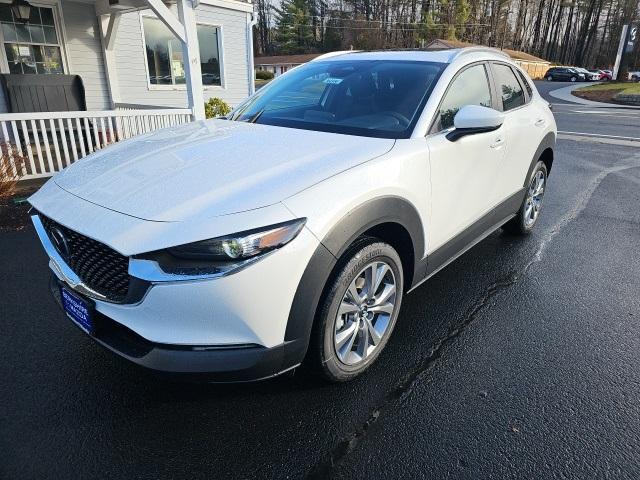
<point x="378" y="211"/>
<point x="548" y="142"/>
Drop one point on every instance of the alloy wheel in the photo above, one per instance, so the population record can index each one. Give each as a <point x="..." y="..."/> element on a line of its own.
<point x="533" y="202"/>
<point x="365" y="313"/>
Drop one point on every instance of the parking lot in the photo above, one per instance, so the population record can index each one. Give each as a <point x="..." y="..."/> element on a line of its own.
<point x="519" y="360"/>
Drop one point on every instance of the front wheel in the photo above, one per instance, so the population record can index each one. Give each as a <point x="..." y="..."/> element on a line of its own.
<point x="529" y="212"/>
<point x="549" y="78"/>
<point x="573" y="79"/>
<point x="358" y="311"/>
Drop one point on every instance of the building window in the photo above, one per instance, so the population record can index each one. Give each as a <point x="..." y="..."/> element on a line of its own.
<point x="164" y="54"/>
<point x="32" y="47"/>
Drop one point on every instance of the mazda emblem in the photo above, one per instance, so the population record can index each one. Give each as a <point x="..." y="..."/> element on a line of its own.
<point x="60" y="242"/>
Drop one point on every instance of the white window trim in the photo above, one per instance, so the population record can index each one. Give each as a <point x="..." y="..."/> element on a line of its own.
<point x="62" y="40"/>
<point x="213" y="88"/>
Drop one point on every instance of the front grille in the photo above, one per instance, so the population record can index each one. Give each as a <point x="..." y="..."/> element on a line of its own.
<point x="100" y="268"/>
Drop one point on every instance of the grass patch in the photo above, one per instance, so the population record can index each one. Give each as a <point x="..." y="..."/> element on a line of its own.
<point x="619" y="87"/>
<point x="606" y="92"/>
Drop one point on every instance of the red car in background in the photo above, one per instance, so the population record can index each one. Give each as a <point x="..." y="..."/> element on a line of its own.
<point x="605" y="75"/>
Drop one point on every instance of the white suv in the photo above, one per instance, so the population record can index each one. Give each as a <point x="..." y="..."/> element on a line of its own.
<point x="238" y="248"/>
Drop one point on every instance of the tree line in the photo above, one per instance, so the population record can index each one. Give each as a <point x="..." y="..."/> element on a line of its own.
<point x="571" y="32"/>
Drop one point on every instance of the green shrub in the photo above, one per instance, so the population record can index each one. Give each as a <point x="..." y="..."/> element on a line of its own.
<point x="264" y="75"/>
<point x="216" y="107"/>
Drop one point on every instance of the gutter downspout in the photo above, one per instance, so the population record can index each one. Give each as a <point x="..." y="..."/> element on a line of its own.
<point x="252" y="19"/>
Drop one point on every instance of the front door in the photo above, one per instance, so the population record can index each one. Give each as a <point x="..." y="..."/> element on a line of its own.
<point x="464" y="174"/>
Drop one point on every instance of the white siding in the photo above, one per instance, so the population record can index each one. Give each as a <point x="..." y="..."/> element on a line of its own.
<point x="131" y="69"/>
<point x="84" y="52"/>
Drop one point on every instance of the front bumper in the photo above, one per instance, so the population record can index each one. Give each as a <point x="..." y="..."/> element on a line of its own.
<point x="211" y="363"/>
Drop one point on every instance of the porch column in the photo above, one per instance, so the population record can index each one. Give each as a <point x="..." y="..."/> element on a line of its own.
<point x="108" y="25"/>
<point x="191" y="58"/>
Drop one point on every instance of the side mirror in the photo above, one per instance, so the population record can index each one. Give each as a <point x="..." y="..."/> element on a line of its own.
<point x="472" y="119"/>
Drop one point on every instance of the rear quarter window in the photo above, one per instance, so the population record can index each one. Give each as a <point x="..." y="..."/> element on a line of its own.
<point x="526" y="83"/>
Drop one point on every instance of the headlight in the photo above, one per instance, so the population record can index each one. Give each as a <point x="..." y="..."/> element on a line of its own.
<point x="240" y="246"/>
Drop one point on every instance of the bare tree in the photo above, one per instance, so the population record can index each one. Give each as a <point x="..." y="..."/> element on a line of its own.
<point x="582" y="32"/>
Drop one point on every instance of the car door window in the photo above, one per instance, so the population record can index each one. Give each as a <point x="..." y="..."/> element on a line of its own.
<point x="510" y="89"/>
<point x="470" y="87"/>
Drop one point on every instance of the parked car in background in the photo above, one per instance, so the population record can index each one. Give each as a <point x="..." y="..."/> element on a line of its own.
<point x="604" y="75"/>
<point x="564" y="74"/>
<point x="208" y="249"/>
<point x="588" y="75"/>
<point x="634" y="76"/>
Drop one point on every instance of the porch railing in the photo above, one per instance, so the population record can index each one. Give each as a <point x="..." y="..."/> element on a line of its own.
<point x="50" y="141"/>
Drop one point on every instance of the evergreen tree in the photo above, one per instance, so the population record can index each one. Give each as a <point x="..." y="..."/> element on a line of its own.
<point x="294" y="29"/>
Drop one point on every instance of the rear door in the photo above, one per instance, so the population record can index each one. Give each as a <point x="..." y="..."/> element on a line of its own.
<point x="522" y="126"/>
<point x="464" y="173"/>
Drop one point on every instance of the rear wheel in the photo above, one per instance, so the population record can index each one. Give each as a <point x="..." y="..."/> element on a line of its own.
<point x="549" y="78"/>
<point x="358" y="312"/>
<point x="573" y="79"/>
<point x="527" y="216"/>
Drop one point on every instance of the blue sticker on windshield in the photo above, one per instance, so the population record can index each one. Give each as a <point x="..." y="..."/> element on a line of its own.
<point x="332" y="81"/>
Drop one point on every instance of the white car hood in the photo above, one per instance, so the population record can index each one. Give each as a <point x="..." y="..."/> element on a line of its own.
<point x="211" y="168"/>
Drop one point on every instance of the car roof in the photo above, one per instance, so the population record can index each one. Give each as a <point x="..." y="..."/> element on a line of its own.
<point x="438" y="56"/>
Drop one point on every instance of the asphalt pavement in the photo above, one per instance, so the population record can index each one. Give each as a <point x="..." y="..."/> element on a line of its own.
<point x="519" y="360"/>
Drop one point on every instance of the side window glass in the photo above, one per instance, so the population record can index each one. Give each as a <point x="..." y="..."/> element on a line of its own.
<point x="471" y="87"/>
<point x="526" y="83"/>
<point x="510" y="89"/>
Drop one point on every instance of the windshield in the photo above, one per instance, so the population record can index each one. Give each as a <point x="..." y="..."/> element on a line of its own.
<point x="372" y="98"/>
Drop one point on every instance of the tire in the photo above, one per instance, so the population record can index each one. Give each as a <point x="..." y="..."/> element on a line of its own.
<point x="549" y="78"/>
<point x="526" y="218"/>
<point x="605" y="79"/>
<point x="573" y="79"/>
<point x="337" y="347"/>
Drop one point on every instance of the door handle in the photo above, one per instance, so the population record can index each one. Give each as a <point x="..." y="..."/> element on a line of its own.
<point x="540" y="122"/>
<point x="498" y="143"/>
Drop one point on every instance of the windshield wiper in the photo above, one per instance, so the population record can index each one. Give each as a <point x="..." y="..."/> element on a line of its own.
<point x="256" y="116"/>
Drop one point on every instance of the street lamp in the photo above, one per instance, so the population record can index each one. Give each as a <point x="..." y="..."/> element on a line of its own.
<point x="21" y="10"/>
